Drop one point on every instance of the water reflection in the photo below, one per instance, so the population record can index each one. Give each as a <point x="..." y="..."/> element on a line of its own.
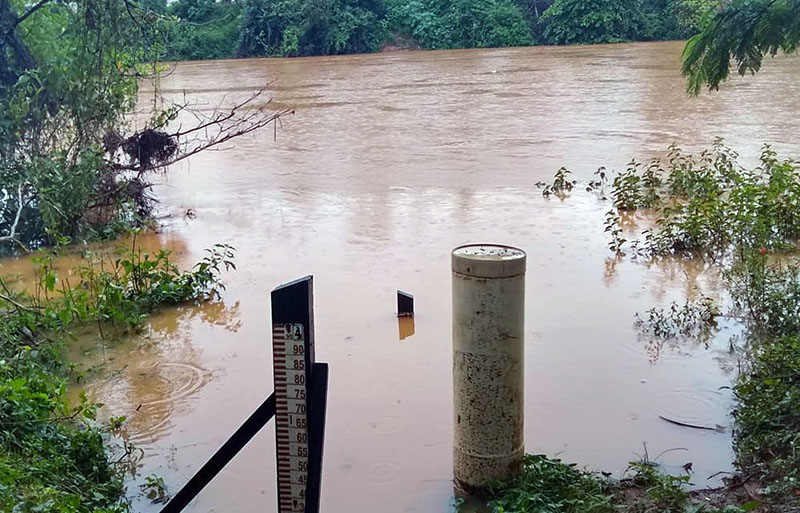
<point x="151" y="378"/>
<point x="214" y="312"/>
<point x="405" y="326"/>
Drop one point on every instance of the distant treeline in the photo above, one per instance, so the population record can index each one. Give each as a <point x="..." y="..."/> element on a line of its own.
<point x="213" y="29"/>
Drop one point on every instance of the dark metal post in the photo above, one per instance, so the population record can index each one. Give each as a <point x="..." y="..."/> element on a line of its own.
<point x="405" y="304"/>
<point x="316" y="432"/>
<point x="293" y="303"/>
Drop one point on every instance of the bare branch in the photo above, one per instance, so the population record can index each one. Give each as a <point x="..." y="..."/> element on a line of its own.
<point x="12" y="234"/>
<point x="130" y="14"/>
<point x="211" y="130"/>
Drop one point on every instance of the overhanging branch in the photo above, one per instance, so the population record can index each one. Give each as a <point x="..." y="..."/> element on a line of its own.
<point x="28" y="13"/>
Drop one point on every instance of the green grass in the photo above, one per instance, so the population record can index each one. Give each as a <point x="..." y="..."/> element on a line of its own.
<point x="551" y="486"/>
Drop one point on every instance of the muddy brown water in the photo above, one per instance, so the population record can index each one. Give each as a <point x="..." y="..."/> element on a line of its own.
<point x="390" y="162"/>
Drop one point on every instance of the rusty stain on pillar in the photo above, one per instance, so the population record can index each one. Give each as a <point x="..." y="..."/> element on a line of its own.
<point x="488" y="363"/>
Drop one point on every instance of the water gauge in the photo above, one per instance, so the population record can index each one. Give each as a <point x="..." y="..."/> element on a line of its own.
<point x="293" y="362"/>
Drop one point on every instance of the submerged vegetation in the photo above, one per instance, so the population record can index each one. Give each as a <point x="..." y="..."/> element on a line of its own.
<point x="745" y="224"/>
<point x="54" y="455"/>
<point x="710" y="205"/>
<point x="552" y="486"/>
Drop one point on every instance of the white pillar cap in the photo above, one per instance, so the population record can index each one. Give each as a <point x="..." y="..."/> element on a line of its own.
<point x="488" y="261"/>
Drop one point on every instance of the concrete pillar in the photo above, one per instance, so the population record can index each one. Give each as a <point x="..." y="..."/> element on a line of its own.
<point x="488" y="363"/>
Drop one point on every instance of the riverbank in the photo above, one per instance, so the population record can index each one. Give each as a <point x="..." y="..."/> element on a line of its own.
<point x="55" y="455"/>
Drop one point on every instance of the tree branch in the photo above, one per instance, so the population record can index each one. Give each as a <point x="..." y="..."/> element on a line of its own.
<point x="12" y="234"/>
<point x="211" y="131"/>
<point x="29" y="12"/>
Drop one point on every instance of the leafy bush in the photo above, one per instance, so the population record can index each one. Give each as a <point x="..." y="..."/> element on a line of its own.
<point x="767" y="433"/>
<point x="767" y="294"/>
<point x="460" y="23"/>
<point x="711" y="205"/>
<point x="595" y="21"/>
<point x="297" y="28"/>
<point x="205" y="31"/>
<point x="118" y="291"/>
<point x="548" y="485"/>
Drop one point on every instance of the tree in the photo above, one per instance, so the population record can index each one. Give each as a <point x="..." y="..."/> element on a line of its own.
<point x="675" y="19"/>
<point x="195" y="10"/>
<point x="460" y="23"/>
<point x="743" y="31"/>
<point x="70" y="72"/>
<point x="593" y="21"/>
<point x="488" y="23"/>
<point x="159" y="6"/>
<point x="311" y="27"/>
<point x="202" y="29"/>
<point x="69" y="77"/>
<point x="689" y="14"/>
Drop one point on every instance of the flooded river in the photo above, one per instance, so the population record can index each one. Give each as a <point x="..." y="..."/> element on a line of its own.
<point x="390" y="162"/>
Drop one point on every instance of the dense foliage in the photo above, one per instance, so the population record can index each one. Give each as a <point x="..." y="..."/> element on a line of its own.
<point x="198" y="29"/>
<point x="68" y="74"/>
<point x="711" y="205"/>
<point x="194" y="29"/>
<point x="607" y="21"/>
<point x="596" y="21"/>
<point x="743" y="31"/>
<point x="297" y="27"/>
<point x="53" y="455"/>
<point x="459" y="23"/>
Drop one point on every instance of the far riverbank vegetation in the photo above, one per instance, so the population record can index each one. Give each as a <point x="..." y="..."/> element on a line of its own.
<point x="209" y="29"/>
